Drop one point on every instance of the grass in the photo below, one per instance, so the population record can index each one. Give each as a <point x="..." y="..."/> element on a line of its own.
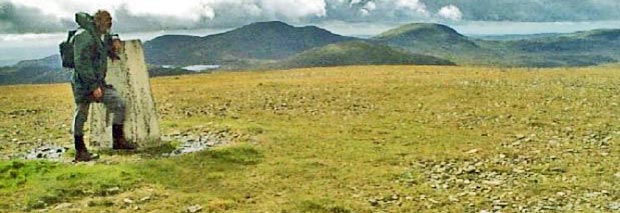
<point x="345" y="139"/>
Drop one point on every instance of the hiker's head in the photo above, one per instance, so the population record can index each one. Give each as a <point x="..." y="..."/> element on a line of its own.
<point x="103" y="21"/>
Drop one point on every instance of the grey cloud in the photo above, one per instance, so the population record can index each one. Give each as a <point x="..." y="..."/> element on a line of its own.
<point x="533" y="10"/>
<point x="15" y="19"/>
<point x="229" y="14"/>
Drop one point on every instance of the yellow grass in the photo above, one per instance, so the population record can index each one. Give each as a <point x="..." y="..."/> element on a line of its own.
<point x="348" y="139"/>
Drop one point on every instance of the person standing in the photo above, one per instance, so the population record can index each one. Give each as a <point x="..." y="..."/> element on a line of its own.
<point x="92" y="47"/>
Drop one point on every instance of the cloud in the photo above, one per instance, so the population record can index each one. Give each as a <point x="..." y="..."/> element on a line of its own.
<point x="532" y="10"/>
<point x="414" y="5"/>
<point x="160" y="14"/>
<point x="36" y="16"/>
<point x="190" y="10"/>
<point x="377" y="10"/>
<point x="294" y="9"/>
<point x="367" y="8"/>
<point x="19" y="19"/>
<point x="450" y="12"/>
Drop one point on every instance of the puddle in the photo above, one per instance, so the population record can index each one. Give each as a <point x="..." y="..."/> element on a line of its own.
<point x="189" y="143"/>
<point x="45" y="152"/>
<point x="184" y="144"/>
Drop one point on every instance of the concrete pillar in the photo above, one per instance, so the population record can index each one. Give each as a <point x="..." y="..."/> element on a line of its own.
<point x="130" y="78"/>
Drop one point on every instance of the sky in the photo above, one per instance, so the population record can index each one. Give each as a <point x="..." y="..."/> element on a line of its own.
<point x="45" y="16"/>
<point x="27" y="26"/>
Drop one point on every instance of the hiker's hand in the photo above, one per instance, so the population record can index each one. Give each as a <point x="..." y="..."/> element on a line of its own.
<point x="98" y="94"/>
<point x="116" y="45"/>
<point x="115" y="49"/>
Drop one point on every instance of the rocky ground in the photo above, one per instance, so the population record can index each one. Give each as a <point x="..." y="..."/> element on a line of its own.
<point x="182" y="143"/>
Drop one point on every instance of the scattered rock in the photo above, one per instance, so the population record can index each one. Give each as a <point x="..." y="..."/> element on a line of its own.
<point x="113" y="190"/>
<point x="473" y="151"/>
<point x="193" y="143"/>
<point x="194" y="209"/>
<point x="492" y="182"/>
<point x="63" y="206"/>
<point x="373" y="202"/>
<point x="470" y="169"/>
<point x="127" y="201"/>
<point x="48" y="152"/>
<point x="144" y="199"/>
<point x="554" y="142"/>
<point x="615" y="206"/>
<point x="520" y="136"/>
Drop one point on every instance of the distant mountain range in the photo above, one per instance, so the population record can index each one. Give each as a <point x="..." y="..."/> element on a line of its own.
<point x="277" y="45"/>
<point x="45" y="70"/>
<point x="549" y="50"/>
<point x="267" y="43"/>
<point x="258" y="41"/>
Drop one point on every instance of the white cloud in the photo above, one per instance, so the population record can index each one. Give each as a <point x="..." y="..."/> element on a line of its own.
<point x="450" y="12"/>
<point x="414" y="5"/>
<point x="189" y="10"/>
<point x="354" y="2"/>
<point x="367" y="8"/>
<point x="144" y="15"/>
<point x="180" y="9"/>
<point x="294" y="9"/>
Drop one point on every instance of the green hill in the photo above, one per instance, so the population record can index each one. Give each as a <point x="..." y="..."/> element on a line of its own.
<point x="573" y="49"/>
<point x="433" y="39"/>
<point x="427" y="36"/>
<point x="45" y="70"/>
<point x="555" y="50"/>
<point x="257" y="41"/>
<point x="596" y="41"/>
<point x="356" y="53"/>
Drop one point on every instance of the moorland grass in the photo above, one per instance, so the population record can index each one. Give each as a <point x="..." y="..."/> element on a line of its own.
<point x="343" y="139"/>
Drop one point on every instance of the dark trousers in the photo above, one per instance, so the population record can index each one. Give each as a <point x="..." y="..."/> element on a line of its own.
<point x="113" y="103"/>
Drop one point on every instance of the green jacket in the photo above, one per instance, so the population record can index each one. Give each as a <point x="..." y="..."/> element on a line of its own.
<point x="90" y="56"/>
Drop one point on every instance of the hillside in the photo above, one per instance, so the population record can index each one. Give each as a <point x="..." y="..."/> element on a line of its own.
<point x="49" y="70"/>
<point x="45" y="70"/>
<point x="595" y="41"/>
<point x="424" y="37"/>
<point x="572" y="49"/>
<point x="441" y="41"/>
<point x="356" y="53"/>
<point x="549" y="50"/>
<point x="257" y="41"/>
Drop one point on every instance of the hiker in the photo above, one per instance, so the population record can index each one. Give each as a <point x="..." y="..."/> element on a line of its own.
<point x="91" y="48"/>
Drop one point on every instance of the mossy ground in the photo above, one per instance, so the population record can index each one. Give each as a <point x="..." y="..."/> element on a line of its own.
<point x="345" y="139"/>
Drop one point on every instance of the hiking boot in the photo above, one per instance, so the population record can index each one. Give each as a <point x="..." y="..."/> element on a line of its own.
<point x="118" y="138"/>
<point x="81" y="153"/>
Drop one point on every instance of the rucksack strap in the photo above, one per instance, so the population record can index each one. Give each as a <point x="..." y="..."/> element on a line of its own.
<point x="71" y="34"/>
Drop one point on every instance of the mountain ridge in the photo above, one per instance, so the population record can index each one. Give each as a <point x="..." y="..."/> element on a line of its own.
<point x="279" y="45"/>
<point x="583" y="48"/>
<point x="261" y="41"/>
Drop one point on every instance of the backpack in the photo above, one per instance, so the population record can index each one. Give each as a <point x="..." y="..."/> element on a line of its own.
<point x="66" y="50"/>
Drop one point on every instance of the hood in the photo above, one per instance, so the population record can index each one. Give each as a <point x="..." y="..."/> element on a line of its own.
<point x="85" y="21"/>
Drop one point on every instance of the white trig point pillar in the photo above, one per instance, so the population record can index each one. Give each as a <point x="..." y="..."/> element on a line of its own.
<point x="130" y="78"/>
